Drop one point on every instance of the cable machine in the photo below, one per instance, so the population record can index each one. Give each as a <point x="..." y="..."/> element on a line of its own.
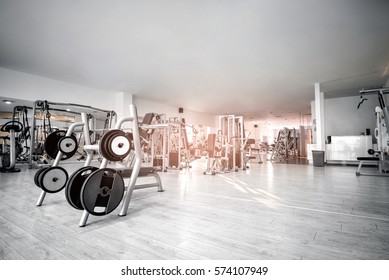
<point x="381" y="155"/>
<point x="179" y="156"/>
<point x="153" y="131"/>
<point x="232" y="127"/>
<point x="9" y="157"/>
<point x="42" y="113"/>
<point x="16" y="146"/>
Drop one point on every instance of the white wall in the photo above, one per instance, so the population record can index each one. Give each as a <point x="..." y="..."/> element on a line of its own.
<point x="255" y="132"/>
<point x="261" y="133"/>
<point x="30" y="87"/>
<point x="342" y="117"/>
<point x="145" y="106"/>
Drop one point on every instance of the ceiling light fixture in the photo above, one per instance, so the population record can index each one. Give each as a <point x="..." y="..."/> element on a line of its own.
<point x="8" y="101"/>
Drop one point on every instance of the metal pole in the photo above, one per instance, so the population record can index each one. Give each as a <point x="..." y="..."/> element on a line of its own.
<point x="87" y="141"/>
<point x="179" y="142"/>
<point x="137" y="162"/>
<point x="164" y="140"/>
<point x="234" y="143"/>
<point x="32" y="133"/>
<point x="84" y="218"/>
<point x="12" y="152"/>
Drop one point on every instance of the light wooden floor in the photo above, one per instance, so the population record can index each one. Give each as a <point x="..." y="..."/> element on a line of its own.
<point x="270" y="211"/>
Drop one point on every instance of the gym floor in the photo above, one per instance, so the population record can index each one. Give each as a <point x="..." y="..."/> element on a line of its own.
<point x="269" y="211"/>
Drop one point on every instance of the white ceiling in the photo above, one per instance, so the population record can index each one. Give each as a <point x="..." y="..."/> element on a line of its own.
<point x="248" y="57"/>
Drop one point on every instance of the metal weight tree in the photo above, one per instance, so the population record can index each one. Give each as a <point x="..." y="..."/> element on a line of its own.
<point x="100" y="196"/>
<point x="54" y="178"/>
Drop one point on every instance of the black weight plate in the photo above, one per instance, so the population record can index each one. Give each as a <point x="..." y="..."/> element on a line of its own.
<point x="103" y="146"/>
<point x="74" y="186"/>
<point x="105" y="143"/>
<point x="51" y="143"/>
<point x="102" y="192"/>
<point x="69" y="155"/>
<point x="115" y="145"/>
<point x="68" y="146"/>
<point x="53" y="179"/>
<point x="40" y="176"/>
<point x="36" y="176"/>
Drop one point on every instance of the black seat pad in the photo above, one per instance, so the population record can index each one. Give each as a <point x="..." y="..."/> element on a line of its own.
<point x="144" y="171"/>
<point x="369" y="158"/>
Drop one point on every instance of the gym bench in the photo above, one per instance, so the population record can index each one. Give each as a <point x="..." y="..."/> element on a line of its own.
<point x="364" y="160"/>
<point x="143" y="172"/>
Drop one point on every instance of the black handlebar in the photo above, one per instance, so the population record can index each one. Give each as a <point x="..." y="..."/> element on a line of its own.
<point x="360" y="102"/>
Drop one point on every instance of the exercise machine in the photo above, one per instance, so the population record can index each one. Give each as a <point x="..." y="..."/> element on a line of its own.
<point x="23" y="139"/>
<point x="285" y="145"/>
<point x="157" y="129"/>
<point x="217" y="157"/>
<point x="42" y="124"/>
<point x="16" y="145"/>
<point x="380" y="157"/>
<point x="232" y="128"/>
<point x="179" y="155"/>
<point x="9" y="156"/>
<point x="251" y="153"/>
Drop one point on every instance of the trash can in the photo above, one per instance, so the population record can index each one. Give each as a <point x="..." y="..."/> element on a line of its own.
<point x="318" y="158"/>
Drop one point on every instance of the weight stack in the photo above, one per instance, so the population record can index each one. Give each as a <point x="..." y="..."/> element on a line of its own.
<point x="173" y="159"/>
<point x="157" y="162"/>
<point x="237" y="160"/>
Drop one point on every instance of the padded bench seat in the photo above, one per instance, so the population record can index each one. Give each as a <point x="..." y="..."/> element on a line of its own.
<point x="144" y="171"/>
<point x="368" y="158"/>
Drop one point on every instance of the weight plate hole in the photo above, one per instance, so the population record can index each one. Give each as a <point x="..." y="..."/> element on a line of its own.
<point x="104" y="191"/>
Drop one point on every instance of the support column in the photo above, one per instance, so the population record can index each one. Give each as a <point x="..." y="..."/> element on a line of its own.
<point x="319" y="110"/>
<point x="123" y="100"/>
